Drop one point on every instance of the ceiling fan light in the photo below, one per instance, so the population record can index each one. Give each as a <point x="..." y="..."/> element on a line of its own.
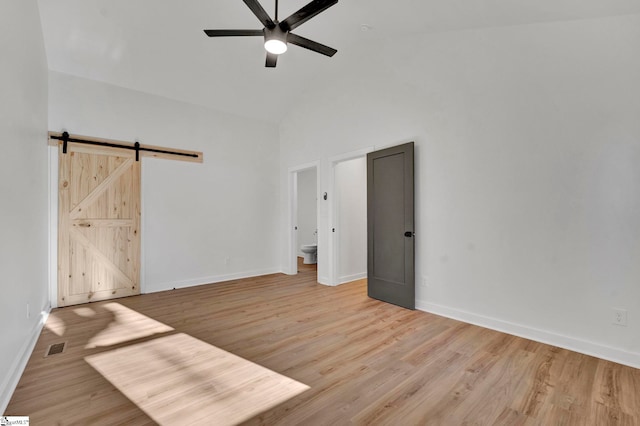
<point x="275" y="46"/>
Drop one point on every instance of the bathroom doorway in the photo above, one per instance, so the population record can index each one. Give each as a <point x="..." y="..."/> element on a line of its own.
<point x="303" y="252"/>
<point x="307" y="220"/>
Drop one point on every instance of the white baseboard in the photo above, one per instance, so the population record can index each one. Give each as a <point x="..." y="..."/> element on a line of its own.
<point x="210" y="280"/>
<point x="348" y="278"/>
<point x="619" y="356"/>
<point x="10" y="382"/>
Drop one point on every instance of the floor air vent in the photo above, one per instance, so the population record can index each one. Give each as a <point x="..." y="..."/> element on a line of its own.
<point x="56" y="348"/>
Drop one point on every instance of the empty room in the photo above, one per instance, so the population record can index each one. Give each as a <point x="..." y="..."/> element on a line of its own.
<point x="325" y="212"/>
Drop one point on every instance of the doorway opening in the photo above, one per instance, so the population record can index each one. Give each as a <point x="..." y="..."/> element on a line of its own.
<point x="304" y="192"/>
<point x="349" y="217"/>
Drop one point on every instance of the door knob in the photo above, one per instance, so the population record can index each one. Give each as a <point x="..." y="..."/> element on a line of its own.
<point x="408" y="234"/>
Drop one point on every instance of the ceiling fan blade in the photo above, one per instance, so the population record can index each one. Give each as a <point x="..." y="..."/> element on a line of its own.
<point x="272" y="59"/>
<point x="233" y="33"/>
<point x="260" y="13"/>
<point x="310" y="44"/>
<point x="307" y="12"/>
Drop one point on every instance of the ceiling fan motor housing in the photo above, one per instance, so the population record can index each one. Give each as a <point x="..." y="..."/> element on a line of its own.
<point x="275" y="35"/>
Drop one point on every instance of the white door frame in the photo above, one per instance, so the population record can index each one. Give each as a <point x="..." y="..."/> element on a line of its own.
<point x="53" y="226"/>
<point x="292" y="177"/>
<point x="333" y="208"/>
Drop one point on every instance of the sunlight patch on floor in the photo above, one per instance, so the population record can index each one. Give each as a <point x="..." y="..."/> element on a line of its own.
<point x="178" y="379"/>
<point x="85" y="312"/>
<point x="55" y="325"/>
<point x="125" y="325"/>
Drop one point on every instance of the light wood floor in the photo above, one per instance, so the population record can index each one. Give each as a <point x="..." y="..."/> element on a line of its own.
<point x="366" y="362"/>
<point x="306" y="268"/>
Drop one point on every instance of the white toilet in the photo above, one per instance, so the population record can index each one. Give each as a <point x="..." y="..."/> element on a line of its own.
<point x="310" y="253"/>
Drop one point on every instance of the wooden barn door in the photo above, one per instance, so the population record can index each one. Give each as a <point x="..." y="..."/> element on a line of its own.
<point x="99" y="224"/>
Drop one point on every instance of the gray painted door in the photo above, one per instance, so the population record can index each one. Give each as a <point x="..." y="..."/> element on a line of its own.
<point x="390" y="236"/>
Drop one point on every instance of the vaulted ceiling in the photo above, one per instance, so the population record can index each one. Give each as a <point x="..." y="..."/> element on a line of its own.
<point x="158" y="46"/>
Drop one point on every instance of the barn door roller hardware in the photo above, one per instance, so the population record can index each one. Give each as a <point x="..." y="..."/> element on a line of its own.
<point x="66" y="138"/>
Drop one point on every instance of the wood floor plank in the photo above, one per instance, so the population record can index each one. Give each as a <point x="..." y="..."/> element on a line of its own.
<point x="365" y="361"/>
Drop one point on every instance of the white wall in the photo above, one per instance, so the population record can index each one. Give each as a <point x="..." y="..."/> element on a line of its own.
<point x="307" y="208"/>
<point x="527" y="170"/>
<point x="23" y="188"/>
<point x="350" y="182"/>
<point x="201" y="223"/>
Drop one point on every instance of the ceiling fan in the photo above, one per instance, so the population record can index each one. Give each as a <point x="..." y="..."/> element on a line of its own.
<point x="277" y="34"/>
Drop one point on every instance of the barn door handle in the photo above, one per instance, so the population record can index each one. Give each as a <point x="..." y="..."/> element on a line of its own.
<point x="84" y="225"/>
<point x="408" y="234"/>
